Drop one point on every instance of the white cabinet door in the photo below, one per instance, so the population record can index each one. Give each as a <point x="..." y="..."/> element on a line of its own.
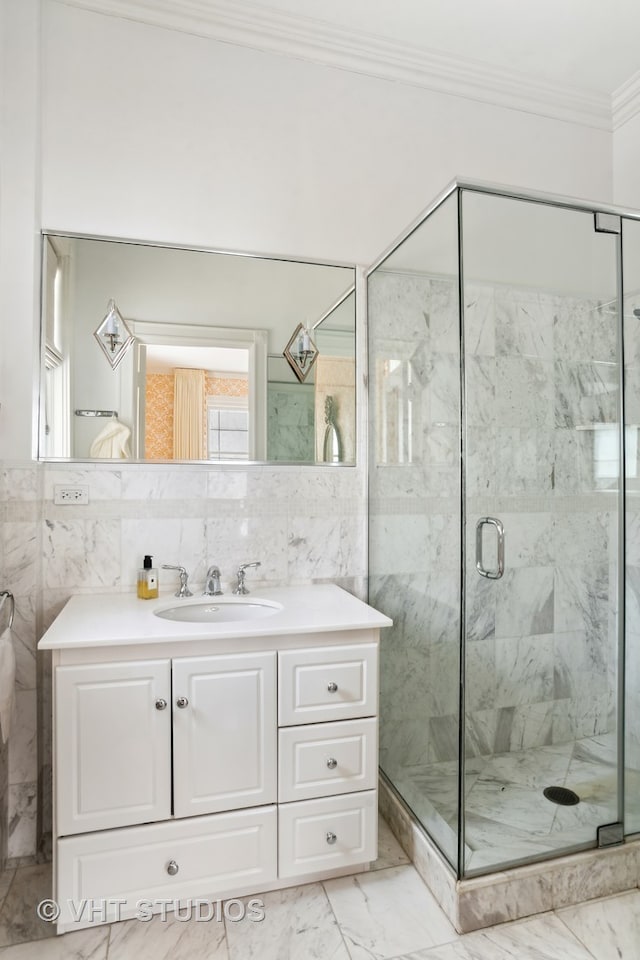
<point x="113" y="745"/>
<point x="224" y="732"/>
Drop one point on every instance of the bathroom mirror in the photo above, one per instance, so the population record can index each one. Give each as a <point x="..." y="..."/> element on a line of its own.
<point x="171" y="354"/>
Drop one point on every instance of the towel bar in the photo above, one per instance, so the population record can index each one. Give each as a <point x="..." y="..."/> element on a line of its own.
<point x="96" y="413"/>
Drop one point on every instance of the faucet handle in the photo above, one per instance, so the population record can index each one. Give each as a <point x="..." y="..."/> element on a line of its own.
<point x="183" y="590"/>
<point x="241" y="588"/>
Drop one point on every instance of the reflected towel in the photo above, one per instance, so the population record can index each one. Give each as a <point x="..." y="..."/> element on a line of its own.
<point x="7" y="683"/>
<point x="112" y="442"/>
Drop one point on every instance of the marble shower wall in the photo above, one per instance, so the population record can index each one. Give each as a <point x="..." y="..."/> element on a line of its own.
<point x="414" y="503"/>
<point x="541" y="651"/>
<point x="632" y="679"/>
<point x="304" y="524"/>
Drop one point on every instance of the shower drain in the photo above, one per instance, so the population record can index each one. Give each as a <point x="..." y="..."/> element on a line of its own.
<point x="561" y="795"/>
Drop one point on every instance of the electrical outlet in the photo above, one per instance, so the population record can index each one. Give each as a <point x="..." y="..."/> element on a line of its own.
<point x="64" y="496"/>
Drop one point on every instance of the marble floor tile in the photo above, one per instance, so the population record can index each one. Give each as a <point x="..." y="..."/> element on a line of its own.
<point x="390" y="853"/>
<point x="168" y="939"/>
<point x="80" y="945"/>
<point x="18" y="918"/>
<point x="544" y="938"/>
<point x="298" y="925"/>
<point x="610" y="928"/>
<point x="387" y="913"/>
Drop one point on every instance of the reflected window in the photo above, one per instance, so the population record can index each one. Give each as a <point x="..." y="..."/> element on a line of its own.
<point x="395" y="414"/>
<point x="227" y="428"/>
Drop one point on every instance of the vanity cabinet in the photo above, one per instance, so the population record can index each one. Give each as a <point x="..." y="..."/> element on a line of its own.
<point x="120" y="730"/>
<point x="193" y="765"/>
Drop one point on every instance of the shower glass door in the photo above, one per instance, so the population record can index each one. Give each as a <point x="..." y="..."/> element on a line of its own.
<point x="541" y="499"/>
<point x="631" y="273"/>
<point x="415" y="516"/>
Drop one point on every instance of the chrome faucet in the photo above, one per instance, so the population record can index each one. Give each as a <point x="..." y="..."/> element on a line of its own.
<point x="212" y="586"/>
<point x="183" y="590"/>
<point x="240" y="586"/>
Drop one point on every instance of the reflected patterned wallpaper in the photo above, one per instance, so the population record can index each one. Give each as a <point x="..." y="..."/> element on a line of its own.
<point x="159" y="409"/>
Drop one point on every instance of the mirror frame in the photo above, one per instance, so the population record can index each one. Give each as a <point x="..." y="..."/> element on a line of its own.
<point x="255" y="340"/>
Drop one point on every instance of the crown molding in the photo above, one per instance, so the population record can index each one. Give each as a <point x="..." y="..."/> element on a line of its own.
<point x="255" y="26"/>
<point x="626" y="101"/>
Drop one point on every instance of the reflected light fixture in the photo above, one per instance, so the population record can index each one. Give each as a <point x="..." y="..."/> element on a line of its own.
<point x="301" y="352"/>
<point x="113" y="335"/>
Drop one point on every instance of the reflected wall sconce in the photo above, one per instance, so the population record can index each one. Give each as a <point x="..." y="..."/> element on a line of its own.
<point x="113" y="335"/>
<point x="301" y="352"/>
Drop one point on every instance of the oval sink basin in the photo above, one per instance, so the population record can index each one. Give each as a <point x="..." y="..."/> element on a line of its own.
<point x="218" y="610"/>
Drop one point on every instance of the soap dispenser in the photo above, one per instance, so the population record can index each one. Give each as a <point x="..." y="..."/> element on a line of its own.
<point x="147" y="580"/>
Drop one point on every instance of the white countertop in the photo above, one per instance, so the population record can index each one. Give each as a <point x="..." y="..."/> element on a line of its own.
<point x="101" y="620"/>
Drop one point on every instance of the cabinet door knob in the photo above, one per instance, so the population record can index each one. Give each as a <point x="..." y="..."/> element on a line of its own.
<point x="161" y="704"/>
<point x="172" y="868"/>
<point x="331" y="837"/>
<point x="332" y="687"/>
<point x="332" y="763"/>
<point x="182" y="702"/>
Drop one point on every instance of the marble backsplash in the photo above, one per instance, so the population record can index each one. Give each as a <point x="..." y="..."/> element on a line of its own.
<point x="305" y="524"/>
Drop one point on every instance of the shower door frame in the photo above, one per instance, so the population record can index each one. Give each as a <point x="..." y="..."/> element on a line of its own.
<point x="459" y="186"/>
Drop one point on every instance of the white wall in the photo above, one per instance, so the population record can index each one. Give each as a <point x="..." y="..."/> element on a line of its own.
<point x="626" y="163"/>
<point x="159" y="135"/>
<point x="19" y="222"/>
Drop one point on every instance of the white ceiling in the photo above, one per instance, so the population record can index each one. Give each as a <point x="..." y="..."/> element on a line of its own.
<point x="590" y="44"/>
<point x="164" y="359"/>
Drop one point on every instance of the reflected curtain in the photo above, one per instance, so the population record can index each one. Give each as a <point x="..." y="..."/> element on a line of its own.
<point x="188" y="415"/>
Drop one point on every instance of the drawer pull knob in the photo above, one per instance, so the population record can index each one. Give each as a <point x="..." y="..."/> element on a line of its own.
<point x="161" y="703"/>
<point x="182" y="702"/>
<point x="332" y="687"/>
<point x="172" y="868"/>
<point x="332" y="763"/>
<point x="331" y="838"/>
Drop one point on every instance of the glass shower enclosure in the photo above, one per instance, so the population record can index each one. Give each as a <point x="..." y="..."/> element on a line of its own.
<point x="504" y="345"/>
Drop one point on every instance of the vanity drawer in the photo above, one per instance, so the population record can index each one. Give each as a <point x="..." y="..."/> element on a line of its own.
<point x="327" y="683"/>
<point x="216" y="855"/>
<point x="327" y="834"/>
<point x="325" y="759"/>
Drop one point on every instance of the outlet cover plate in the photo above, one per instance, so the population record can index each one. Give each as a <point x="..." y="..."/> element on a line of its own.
<point x="75" y="495"/>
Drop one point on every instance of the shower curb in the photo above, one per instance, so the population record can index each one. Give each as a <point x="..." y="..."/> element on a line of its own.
<point x="516" y="892"/>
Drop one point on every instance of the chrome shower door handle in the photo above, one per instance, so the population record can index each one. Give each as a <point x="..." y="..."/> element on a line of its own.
<point x="494" y="522"/>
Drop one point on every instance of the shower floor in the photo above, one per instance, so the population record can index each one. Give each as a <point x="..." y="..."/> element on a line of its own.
<point x="507" y="817"/>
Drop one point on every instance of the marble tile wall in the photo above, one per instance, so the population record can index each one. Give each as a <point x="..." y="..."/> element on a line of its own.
<point x="20" y="491"/>
<point x="541" y="650"/>
<point x="4" y="751"/>
<point x="305" y="524"/>
<point x="290" y="422"/>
